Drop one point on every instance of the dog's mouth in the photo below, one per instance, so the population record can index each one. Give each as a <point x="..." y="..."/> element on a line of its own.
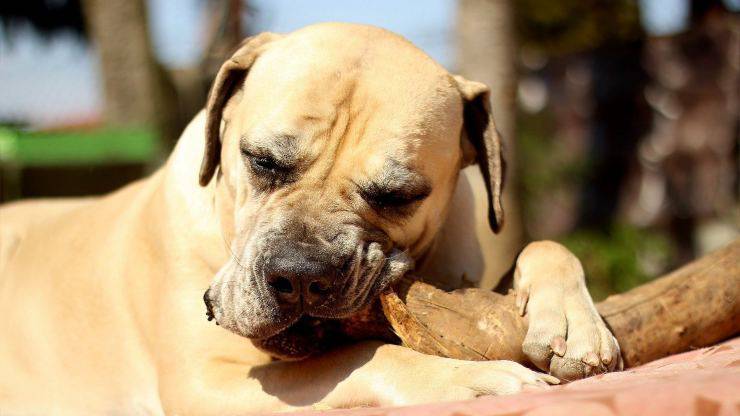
<point x="310" y="336"/>
<point x="306" y="337"/>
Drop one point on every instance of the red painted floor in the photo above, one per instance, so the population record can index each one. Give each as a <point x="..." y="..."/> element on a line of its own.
<point x="704" y="382"/>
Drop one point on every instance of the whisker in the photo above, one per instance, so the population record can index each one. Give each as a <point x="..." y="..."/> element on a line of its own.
<point x="400" y="253"/>
<point x="231" y="252"/>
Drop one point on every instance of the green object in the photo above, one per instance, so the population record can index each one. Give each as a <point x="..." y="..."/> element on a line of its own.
<point x="575" y="26"/>
<point x="86" y="148"/>
<point x="621" y="258"/>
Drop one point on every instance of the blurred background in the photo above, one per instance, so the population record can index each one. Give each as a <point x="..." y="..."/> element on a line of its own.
<point x="621" y="118"/>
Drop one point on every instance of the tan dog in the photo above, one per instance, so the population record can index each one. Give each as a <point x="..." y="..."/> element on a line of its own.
<point x="329" y="161"/>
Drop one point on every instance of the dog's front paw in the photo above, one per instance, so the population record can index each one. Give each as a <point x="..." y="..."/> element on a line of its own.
<point x="446" y="379"/>
<point x="566" y="335"/>
<point x="497" y="378"/>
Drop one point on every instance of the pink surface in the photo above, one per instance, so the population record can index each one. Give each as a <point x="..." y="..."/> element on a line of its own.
<point x="703" y="382"/>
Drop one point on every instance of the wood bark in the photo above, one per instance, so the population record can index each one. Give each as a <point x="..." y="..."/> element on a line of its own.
<point x="695" y="306"/>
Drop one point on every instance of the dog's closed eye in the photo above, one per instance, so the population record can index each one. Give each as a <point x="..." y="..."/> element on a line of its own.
<point x="397" y="189"/>
<point x="392" y="202"/>
<point x="274" y="159"/>
<point x="265" y="163"/>
<point x="379" y="197"/>
<point x="268" y="168"/>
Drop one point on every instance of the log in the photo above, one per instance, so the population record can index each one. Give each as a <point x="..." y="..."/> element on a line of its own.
<point x="692" y="307"/>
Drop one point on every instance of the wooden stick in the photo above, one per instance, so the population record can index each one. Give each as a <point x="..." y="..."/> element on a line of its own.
<point x="692" y="307"/>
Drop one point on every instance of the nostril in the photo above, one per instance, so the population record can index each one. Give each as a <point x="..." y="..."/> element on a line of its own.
<point x="282" y="284"/>
<point x="318" y="288"/>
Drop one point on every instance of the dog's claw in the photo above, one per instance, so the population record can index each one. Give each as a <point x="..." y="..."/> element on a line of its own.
<point x="551" y="379"/>
<point x="558" y="346"/>
<point x="591" y="359"/>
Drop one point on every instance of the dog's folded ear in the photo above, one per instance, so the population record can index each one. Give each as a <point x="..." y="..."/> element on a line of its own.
<point x="227" y="81"/>
<point x="481" y="143"/>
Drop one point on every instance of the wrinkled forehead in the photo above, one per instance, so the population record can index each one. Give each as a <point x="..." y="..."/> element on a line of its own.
<point x="381" y="97"/>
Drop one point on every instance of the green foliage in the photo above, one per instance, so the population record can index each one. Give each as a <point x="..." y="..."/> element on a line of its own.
<point x="546" y="164"/>
<point x="615" y="260"/>
<point x="572" y="26"/>
<point x="620" y="259"/>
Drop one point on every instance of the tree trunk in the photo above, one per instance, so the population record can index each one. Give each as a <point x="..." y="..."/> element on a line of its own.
<point x="138" y="92"/>
<point x="486" y="44"/>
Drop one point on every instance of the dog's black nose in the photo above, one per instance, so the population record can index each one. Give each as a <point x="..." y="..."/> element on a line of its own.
<point x="293" y="275"/>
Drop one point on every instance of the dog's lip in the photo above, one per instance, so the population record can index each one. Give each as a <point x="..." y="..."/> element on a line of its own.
<point x="277" y="328"/>
<point x="209" y="306"/>
<point x="305" y="337"/>
<point x="296" y="323"/>
<point x="266" y="331"/>
<point x="306" y="319"/>
<point x="302" y="320"/>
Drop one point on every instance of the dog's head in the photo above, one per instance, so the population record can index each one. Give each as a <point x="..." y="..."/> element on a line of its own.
<point x="336" y="150"/>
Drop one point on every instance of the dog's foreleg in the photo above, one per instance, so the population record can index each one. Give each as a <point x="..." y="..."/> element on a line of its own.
<point x="566" y="335"/>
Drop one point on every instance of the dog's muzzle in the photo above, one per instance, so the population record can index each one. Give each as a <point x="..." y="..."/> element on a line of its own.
<point x="283" y="284"/>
